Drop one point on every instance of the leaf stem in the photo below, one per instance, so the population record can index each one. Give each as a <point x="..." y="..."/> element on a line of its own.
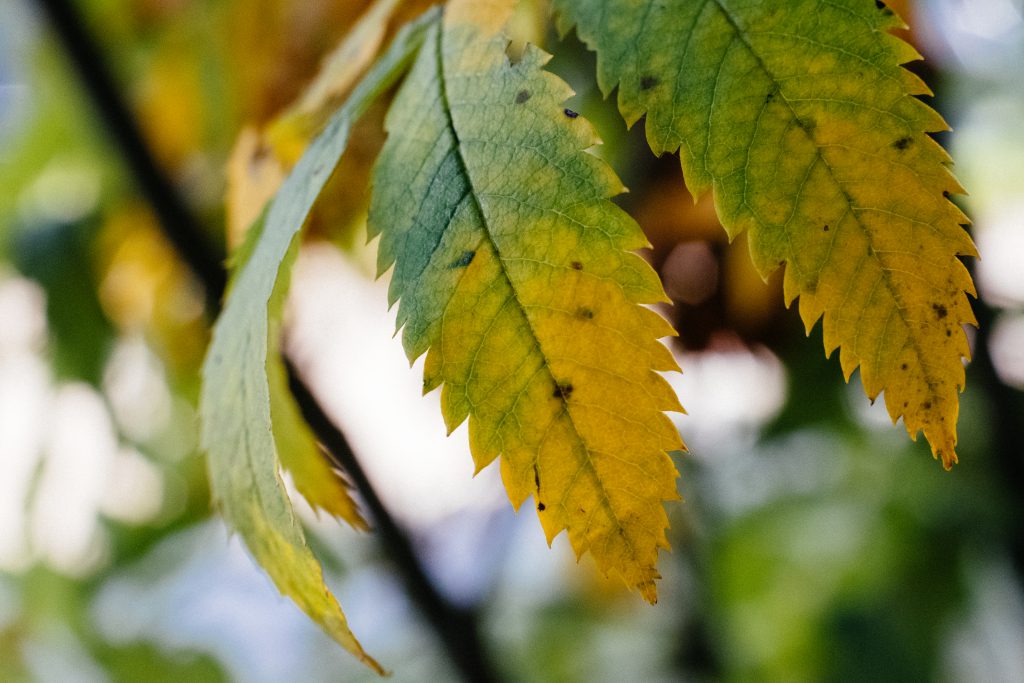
<point x="457" y="628"/>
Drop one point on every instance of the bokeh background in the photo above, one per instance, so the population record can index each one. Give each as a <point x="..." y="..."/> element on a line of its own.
<point x="816" y="541"/>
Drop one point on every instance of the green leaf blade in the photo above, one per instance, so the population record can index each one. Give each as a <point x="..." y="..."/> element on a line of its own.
<point x="237" y="407"/>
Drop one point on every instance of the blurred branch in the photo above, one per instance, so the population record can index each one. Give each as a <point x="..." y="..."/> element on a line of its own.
<point x="457" y="628"/>
<point x="190" y="240"/>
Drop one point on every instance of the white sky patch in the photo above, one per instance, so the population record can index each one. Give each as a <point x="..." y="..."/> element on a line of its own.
<point x="134" y="489"/>
<point x="24" y="394"/>
<point x="1006" y="346"/>
<point x="133" y="381"/>
<point x="1000" y="238"/>
<point x="342" y="334"/>
<point x="727" y="391"/>
<point x="79" y="445"/>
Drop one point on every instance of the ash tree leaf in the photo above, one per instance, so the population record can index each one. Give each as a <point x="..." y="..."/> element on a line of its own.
<point x="514" y="275"/>
<point x="245" y="413"/>
<point x="799" y="117"/>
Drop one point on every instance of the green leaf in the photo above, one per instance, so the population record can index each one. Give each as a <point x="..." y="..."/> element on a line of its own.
<point x="797" y="114"/>
<point x="514" y="275"/>
<point x="242" y="367"/>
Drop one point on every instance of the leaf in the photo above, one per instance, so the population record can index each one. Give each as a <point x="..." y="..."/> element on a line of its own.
<point x="512" y="269"/>
<point x="800" y="118"/>
<point x="236" y="404"/>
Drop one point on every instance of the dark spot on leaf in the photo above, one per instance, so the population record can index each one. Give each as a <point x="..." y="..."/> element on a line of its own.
<point x="945" y="193"/>
<point x="563" y="390"/>
<point x="906" y="404"/>
<point x="926" y="405"/>
<point x="903" y="367"/>
<point x="576" y="265"/>
<point x="949" y="333"/>
<point x="825" y="228"/>
<point x="522" y="96"/>
<point x="536" y="478"/>
<point x="584" y="313"/>
<point x="769" y="97"/>
<point x="570" y="113"/>
<point x="648" y="82"/>
<point x="541" y="507"/>
<point x="902" y="143"/>
<point x="940" y="311"/>
<point x="879" y="4"/>
<point x="464" y="260"/>
<point x="808" y="124"/>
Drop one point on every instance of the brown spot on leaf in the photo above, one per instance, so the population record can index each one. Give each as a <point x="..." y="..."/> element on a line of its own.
<point x="563" y="390"/>
<point x="464" y="260"/>
<point x="808" y="124"/>
<point x="903" y="367"/>
<point x="825" y="228"/>
<point x="902" y="143"/>
<point x="940" y="311"/>
<point x="584" y="313"/>
<point x="576" y="265"/>
<point x="541" y="507"/>
<point x="926" y="405"/>
<point x="648" y="82"/>
<point x="522" y="96"/>
<point x="536" y="477"/>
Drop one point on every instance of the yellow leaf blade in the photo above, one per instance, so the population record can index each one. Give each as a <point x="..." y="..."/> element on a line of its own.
<point x="799" y="117"/>
<point x="513" y="274"/>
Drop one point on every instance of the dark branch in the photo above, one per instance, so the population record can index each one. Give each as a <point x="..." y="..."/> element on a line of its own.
<point x="456" y="628"/>
<point x="190" y="240"/>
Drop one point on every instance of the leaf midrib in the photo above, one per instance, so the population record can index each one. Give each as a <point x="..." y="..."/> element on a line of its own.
<point x="886" y="273"/>
<point x="588" y="462"/>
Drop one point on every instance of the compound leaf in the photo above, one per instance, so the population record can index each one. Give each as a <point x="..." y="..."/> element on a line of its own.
<point x="514" y="275"/>
<point x="797" y="114"/>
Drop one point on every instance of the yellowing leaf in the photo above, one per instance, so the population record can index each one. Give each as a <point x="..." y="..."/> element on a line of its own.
<point x="798" y="115"/>
<point x="512" y="269"/>
<point x="242" y="369"/>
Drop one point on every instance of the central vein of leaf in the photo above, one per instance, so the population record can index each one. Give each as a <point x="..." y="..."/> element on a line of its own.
<point x="809" y="134"/>
<point x="588" y="463"/>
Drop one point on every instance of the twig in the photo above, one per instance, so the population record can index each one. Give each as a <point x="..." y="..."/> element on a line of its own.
<point x="456" y="628"/>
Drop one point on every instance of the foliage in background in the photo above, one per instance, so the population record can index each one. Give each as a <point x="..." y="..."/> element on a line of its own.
<point x="776" y="506"/>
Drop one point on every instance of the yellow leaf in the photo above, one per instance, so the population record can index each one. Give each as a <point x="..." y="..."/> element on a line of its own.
<point x="797" y="114"/>
<point x="513" y="269"/>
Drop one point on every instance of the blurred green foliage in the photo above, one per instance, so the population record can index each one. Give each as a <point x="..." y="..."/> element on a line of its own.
<point x="817" y="545"/>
